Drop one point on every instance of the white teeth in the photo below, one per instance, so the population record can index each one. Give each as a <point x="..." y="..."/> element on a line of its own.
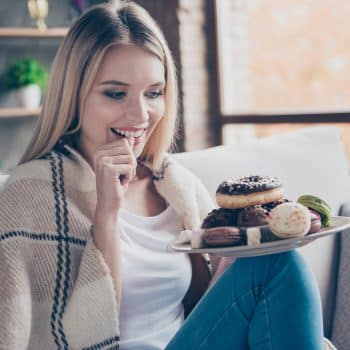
<point x="128" y="133"/>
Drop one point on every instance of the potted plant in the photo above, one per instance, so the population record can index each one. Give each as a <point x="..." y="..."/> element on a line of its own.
<point x="27" y="78"/>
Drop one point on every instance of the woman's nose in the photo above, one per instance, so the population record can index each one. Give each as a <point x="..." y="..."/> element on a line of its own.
<point x="138" y="110"/>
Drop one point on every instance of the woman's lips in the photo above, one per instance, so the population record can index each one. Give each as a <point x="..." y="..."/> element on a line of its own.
<point x="137" y="139"/>
<point x="128" y="132"/>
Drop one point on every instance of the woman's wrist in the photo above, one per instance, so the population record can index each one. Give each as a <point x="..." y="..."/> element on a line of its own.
<point x="105" y="211"/>
<point x="105" y="225"/>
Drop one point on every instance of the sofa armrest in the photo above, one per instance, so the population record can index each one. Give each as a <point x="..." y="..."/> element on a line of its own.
<point x="345" y="209"/>
<point x="341" y="320"/>
<point x="3" y="179"/>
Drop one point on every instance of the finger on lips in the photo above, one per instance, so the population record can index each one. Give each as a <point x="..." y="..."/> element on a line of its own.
<point x="131" y="141"/>
<point x="125" y="141"/>
<point x="117" y="159"/>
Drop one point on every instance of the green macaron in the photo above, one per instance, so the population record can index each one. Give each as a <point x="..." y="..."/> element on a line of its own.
<point x="319" y="205"/>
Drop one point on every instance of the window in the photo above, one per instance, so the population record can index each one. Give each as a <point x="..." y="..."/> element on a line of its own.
<point x="282" y="62"/>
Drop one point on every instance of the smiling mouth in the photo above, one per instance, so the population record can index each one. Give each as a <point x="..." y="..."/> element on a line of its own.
<point x="134" y="134"/>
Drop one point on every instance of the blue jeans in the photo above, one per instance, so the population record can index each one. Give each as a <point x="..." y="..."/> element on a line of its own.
<point x="262" y="303"/>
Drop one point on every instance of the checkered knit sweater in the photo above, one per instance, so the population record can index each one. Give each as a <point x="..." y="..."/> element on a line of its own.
<point x="56" y="290"/>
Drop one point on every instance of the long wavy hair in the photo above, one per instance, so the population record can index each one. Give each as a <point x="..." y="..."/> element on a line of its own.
<point x="75" y="67"/>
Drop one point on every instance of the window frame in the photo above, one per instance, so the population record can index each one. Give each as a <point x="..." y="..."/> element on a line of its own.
<point x="256" y="118"/>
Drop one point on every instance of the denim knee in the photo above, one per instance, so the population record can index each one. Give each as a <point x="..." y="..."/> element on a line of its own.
<point x="260" y="270"/>
<point x="292" y="259"/>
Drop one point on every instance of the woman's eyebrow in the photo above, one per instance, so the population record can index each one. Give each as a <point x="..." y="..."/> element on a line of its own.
<point x="121" y="83"/>
<point x="160" y="83"/>
<point x="114" y="82"/>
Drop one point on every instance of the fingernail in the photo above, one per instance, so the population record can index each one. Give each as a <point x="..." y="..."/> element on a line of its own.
<point x="131" y="141"/>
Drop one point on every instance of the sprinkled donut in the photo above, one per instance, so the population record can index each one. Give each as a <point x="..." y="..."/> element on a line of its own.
<point x="249" y="190"/>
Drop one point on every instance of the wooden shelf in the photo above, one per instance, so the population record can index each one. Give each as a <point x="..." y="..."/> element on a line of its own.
<point x="32" y="32"/>
<point x="18" y="112"/>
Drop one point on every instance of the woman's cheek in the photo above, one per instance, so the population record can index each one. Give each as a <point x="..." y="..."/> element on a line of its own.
<point x="160" y="111"/>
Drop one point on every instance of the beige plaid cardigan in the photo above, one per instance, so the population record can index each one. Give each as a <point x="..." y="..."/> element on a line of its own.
<point x="56" y="290"/>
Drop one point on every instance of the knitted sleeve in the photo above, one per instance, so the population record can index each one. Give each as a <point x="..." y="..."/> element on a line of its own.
<point x="91" y="314"/>
<point x="41" y="308"/>
<point x="15" y="299"/>
<point x="56" y="290"/>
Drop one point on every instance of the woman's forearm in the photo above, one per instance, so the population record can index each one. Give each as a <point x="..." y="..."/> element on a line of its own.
<point x="107" y="240"/>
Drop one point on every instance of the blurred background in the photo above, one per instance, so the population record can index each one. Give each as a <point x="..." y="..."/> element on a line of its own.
<point x="247" y="68"/>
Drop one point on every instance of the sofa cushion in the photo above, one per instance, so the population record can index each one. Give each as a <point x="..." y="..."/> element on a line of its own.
<point x="310" y="160"/>
<point x="3" y="179"/>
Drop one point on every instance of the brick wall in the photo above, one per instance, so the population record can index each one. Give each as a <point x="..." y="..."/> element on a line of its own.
<point x="195" y="79"/>
<point x="185" y="25"/>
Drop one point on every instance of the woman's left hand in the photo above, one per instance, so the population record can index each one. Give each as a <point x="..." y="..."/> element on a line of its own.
<point x="224" y="263"/>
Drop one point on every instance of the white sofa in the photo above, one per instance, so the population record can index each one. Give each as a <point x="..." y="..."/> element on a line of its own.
<point x="311" y="160"/>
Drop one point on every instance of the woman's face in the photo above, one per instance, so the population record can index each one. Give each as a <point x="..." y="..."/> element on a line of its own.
<point x="126" y="100"/>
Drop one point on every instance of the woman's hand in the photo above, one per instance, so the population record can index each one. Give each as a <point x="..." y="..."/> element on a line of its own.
<point x="223" y="264"/>
<point x="115" y="166"/>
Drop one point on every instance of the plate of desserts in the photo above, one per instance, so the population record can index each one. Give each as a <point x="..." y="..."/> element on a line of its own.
<point x="254" y="218"/>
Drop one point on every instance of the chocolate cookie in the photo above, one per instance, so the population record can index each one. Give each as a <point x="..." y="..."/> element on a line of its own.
<point x="220" y="217"/>
<point x="269" y="206"/>
<point x="253" y="216"/>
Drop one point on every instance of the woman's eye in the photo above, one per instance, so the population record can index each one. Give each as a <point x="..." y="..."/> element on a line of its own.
<point x="117" y="95"/>
<point x="154" y="94"/>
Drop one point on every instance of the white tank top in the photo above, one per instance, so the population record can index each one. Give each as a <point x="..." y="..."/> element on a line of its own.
<point x="154" y="280"/>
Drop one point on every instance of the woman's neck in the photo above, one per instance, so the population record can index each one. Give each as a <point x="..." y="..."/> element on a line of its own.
<point x="142" y="172"/>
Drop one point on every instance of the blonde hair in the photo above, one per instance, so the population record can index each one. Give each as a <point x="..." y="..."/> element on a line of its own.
<point x="75" y="67"/>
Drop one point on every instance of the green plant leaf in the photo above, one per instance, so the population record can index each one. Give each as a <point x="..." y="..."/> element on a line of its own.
<point x="25" y="72"/>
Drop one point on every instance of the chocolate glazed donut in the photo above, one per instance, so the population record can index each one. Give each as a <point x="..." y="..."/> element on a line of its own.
<point x="247" y="191"/>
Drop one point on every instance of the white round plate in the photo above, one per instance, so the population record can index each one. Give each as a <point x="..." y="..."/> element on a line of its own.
<point x="338" y="224"/>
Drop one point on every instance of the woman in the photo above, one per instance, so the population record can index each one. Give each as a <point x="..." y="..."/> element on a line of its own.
<point x="87" y="216"/>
